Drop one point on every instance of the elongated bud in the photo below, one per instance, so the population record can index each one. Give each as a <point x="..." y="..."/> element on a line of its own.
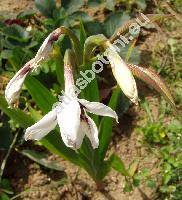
<point x="14" y="86"/>
<point x="154" y="80"/>
<point x="122" y="74"/>
<point x="68" y="73"/>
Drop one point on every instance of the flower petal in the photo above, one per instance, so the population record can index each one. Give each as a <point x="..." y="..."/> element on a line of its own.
<point x="98" y="108"/>
<point x="89" y="127"/>
<point x="42" y="127"/>
<point x="122" y="75"/>
<point x="80" y="137"/>
<point x="69" y="123"/>
<point x="13" y="89"/>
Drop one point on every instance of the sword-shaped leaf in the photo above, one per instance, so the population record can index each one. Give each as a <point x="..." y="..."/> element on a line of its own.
<point x="42" y="159"/>
<point x="153" y="79"/>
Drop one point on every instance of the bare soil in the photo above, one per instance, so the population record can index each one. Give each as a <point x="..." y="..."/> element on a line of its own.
<point x="10" y="8"/>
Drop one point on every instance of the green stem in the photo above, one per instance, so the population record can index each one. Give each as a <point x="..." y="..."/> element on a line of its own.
<point x="75" y="42"/>
<point x="90" y="44"/>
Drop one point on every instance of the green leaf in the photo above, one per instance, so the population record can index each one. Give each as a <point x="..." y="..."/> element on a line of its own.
<point x="93" y="28"/>
<point x="17" y="33"/>
<point x="72" y="6"/>
<point x="36" y="115"/>
<point x="136" y="181"/>
<point x="16" y="114"/>
<point x="94" y="3"/>
<point x="4" y="196"/>
<point x="105" y="133"/>
<point x="54" y="144"/>
<point x="75" y="18"/>
<point x="60" y="72"/>
<point x="5" y="184"/>
<point x="123" y="104"/>
<point x="6" y="54"/>
<point x="103" y="169"/>
<point x="110" y="4"/>
<point x="5" y="136"/>
<point x="151" y="183"/>
<point x="117" y="164"/>
<point x="26" y="14"/>
<point x="42" y="159"/>
<point x="141" y="4"/>
<point x="83" y="35"/>
<point x="133" y="167"/>
<point x="127" y="187"/>
<point x="114" y="21"/>
<point x="166" y="178"/>
<point x="46" y="7"/>
<point x="91" y="92"/>
<point x="41" y="95"/>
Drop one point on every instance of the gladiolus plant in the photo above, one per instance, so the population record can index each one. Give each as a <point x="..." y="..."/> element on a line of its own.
<point x="81" y="136"/>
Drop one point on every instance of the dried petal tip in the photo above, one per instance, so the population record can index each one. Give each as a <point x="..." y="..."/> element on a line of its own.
<point x="46" y="47"/>
<point x="55" y="35"/>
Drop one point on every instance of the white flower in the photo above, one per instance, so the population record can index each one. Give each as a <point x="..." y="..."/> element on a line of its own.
<point x="73" y="121"/>
<point x="14" y="86"/>
<point x="122" y="74"/>
<point x="71" y="116"/>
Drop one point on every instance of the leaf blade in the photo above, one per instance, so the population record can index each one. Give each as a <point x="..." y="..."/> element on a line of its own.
<point x="41" y="159"/>
<point x="117" y="164"/>
<point x="105" y="133"/>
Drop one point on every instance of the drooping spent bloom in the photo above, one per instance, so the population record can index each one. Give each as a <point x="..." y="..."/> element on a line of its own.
<point x="14" y="86"/>
<point x="122" y="73"/>
<point x="71" y="116"/>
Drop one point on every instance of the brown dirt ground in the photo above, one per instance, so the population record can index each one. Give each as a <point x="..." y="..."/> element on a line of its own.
<point x="11" y="8"/>
<point x="26" y="174"/>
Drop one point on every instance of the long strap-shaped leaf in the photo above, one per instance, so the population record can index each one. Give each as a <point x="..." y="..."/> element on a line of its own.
<point x="125" y="27"/>
<point x="105" y="132"/>
<point x="153" y="79"/>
